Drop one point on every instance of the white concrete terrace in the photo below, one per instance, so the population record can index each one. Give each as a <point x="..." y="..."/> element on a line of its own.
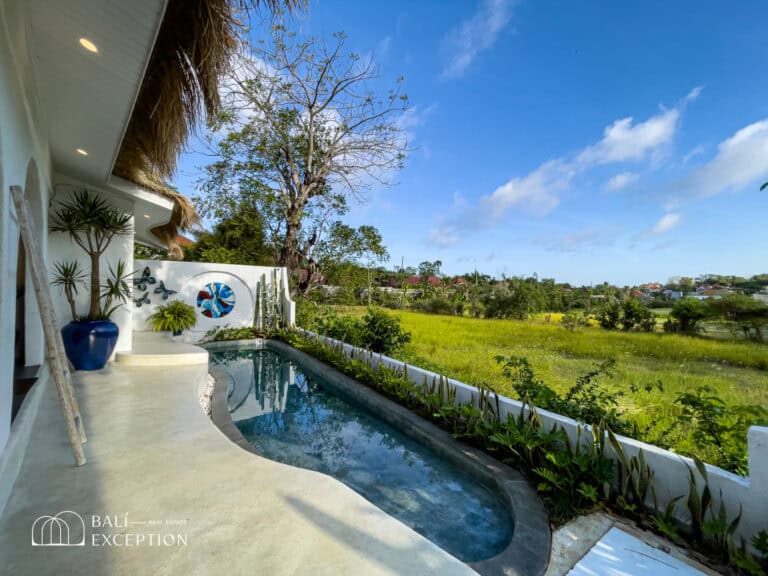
<point x="154" y="456"/>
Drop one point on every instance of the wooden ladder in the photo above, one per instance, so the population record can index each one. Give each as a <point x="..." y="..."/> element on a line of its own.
<point x="54" y="345"/>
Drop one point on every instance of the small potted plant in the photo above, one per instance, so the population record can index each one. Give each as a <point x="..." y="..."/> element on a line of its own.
<point x="173" y="317"/>
<point x="92" y="224"/>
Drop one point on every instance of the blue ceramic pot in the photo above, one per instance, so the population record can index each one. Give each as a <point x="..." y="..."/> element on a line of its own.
<point x="89" y="343"/>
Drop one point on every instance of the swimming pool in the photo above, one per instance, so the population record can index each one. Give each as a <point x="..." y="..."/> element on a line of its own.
<point x="299" y="417"/>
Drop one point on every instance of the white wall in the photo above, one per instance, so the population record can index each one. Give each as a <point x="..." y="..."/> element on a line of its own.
<point x="750" y="494"/>
<point x="24" y="158"/>
<point x="188" y="278"/>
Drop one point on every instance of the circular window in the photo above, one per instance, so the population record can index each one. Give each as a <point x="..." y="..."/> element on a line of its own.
<point x="216" y="300"/>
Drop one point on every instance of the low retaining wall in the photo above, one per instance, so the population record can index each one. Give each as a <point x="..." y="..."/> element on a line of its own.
<point x="671" y="471"/>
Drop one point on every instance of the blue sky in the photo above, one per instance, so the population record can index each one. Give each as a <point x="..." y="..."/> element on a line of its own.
<point x="585" y="141"/>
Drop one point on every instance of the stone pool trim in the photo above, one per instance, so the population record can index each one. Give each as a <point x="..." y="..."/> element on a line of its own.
<point x="529" y="548"/>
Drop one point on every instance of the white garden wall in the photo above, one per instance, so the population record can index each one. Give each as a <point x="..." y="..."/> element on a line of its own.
<point x="750" y="493"/>
<point x="240" y="293"/>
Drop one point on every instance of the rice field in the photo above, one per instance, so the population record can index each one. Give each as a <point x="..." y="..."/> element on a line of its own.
<point x="464" y="348"/>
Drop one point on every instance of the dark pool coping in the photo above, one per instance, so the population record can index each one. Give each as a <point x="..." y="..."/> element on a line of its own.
<point x="527" y="553"/>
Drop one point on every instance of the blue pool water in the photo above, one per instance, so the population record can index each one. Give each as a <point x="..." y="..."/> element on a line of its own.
<point x="291" y="418"/>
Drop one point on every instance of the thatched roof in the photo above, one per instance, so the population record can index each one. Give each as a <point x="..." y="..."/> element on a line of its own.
<point x="194" y="46"/>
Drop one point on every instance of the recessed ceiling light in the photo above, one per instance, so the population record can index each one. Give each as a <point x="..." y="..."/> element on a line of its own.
<point x="82" y="152"/>
<point x="88" y="45"/>
<point x="147" y="216"/>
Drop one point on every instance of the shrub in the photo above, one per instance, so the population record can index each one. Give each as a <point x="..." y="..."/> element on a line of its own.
<point x="381" y="332"/>
<point x="438" y="305"/>
<point x="173" y="317"/>
<point x="609" y="315"/>
<point x="376" y="331"/>
<point x="224" y="333"/>
<point x="575" y="319"/>
<point x="686" y="314"/>
<point x="635" y="314"/>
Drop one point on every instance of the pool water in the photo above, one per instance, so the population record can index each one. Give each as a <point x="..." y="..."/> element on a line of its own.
<point x="291" y="418"/>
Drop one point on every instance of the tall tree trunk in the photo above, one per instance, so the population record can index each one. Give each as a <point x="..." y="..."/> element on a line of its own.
<point x="289" y="251"/>
<point x="93" y="311"/>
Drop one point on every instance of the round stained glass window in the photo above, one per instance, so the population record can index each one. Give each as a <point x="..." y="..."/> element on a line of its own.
<point x="216" y="300"/>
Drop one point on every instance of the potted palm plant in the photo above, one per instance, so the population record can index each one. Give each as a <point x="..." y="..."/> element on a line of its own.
<point x="173" y="317"/>
<point x="92" y="224"/>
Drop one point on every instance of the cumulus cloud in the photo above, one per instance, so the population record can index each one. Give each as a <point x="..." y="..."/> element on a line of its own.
<point x="474" y="35"/>
<point x="535" y="193"/>
<point x="740" y="161"/>
<point x="625" y="141"/>
<point x="620" y="181"/>
<point x="443" y="237"/>
<point x="665" y="224"/>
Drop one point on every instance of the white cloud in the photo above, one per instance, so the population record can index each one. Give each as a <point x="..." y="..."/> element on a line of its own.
<point x="475" y="35"/>
<point x="665" y="224"/>
<point x="621" y="180"/>
<point x="536" y="193"/>
<point x="740" y="161"/>
<point x="443" y="237"/>
<point x="624" y="141"/>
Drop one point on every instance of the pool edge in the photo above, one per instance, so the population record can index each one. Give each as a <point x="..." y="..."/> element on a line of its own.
<point x="529" y="548"/>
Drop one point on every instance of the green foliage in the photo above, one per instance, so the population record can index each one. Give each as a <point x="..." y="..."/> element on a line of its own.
<point x="238" y="238"/>
<point x="723" y="427"/>
<point x="382" y="332"/>
<point x="587" y="400"/>
<point x="175" y="316"/>
<point x="69" y="277"/>
<point x="92" y="223"/>
<point x="574" y="319"/>
<point x="114" y="291"/>
<point x="437" y="305"/>
<point x="743" y="313"/>
<point x="376" y="331"/>
<point x="227" y="332"/>
<point x="628" y="315"/>
<point x="686" y="315"/>
<point x="609" y="315"/>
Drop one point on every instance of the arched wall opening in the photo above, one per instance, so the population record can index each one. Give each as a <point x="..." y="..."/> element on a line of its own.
<point x="33" y="338"/>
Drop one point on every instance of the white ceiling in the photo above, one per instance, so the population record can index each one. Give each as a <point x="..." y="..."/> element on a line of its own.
<point x="86" y="99"/>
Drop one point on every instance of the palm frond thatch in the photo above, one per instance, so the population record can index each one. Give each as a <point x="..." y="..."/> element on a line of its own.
<point x="194" y="46"/>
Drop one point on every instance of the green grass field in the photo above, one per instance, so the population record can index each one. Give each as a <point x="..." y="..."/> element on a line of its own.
<point x="464" y="348"/>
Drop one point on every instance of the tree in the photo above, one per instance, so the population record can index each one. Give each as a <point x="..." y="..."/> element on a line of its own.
<point x="343" y="245"/>
<point x="743" y="313"/>
<point x="237" y="239"/>
<point x="430" y="268"/>
<point x="92" y="223"/>
<point x="688" y="313"/>
<point x="303" y="133"/>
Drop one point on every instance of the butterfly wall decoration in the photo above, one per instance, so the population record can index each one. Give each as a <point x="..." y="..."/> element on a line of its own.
<point x="161" y="289"/>
<point x="146" y="278"/>
<point x="143" y="299"/>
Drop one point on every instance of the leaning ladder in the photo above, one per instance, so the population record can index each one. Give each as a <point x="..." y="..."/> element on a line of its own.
<point x="54" y="345"/>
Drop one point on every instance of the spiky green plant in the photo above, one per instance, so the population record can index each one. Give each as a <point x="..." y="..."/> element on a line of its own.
<point x="92" y="223"/>
<point x="173" y="317"/>
<point x="69" y="278"/>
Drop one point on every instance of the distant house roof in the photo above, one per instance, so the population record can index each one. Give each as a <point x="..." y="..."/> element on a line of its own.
<point x="184" y="242"/>
<point x="415" y="280"/>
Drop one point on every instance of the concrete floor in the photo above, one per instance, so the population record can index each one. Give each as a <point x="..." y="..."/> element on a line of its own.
<point x="153" y="456"/>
